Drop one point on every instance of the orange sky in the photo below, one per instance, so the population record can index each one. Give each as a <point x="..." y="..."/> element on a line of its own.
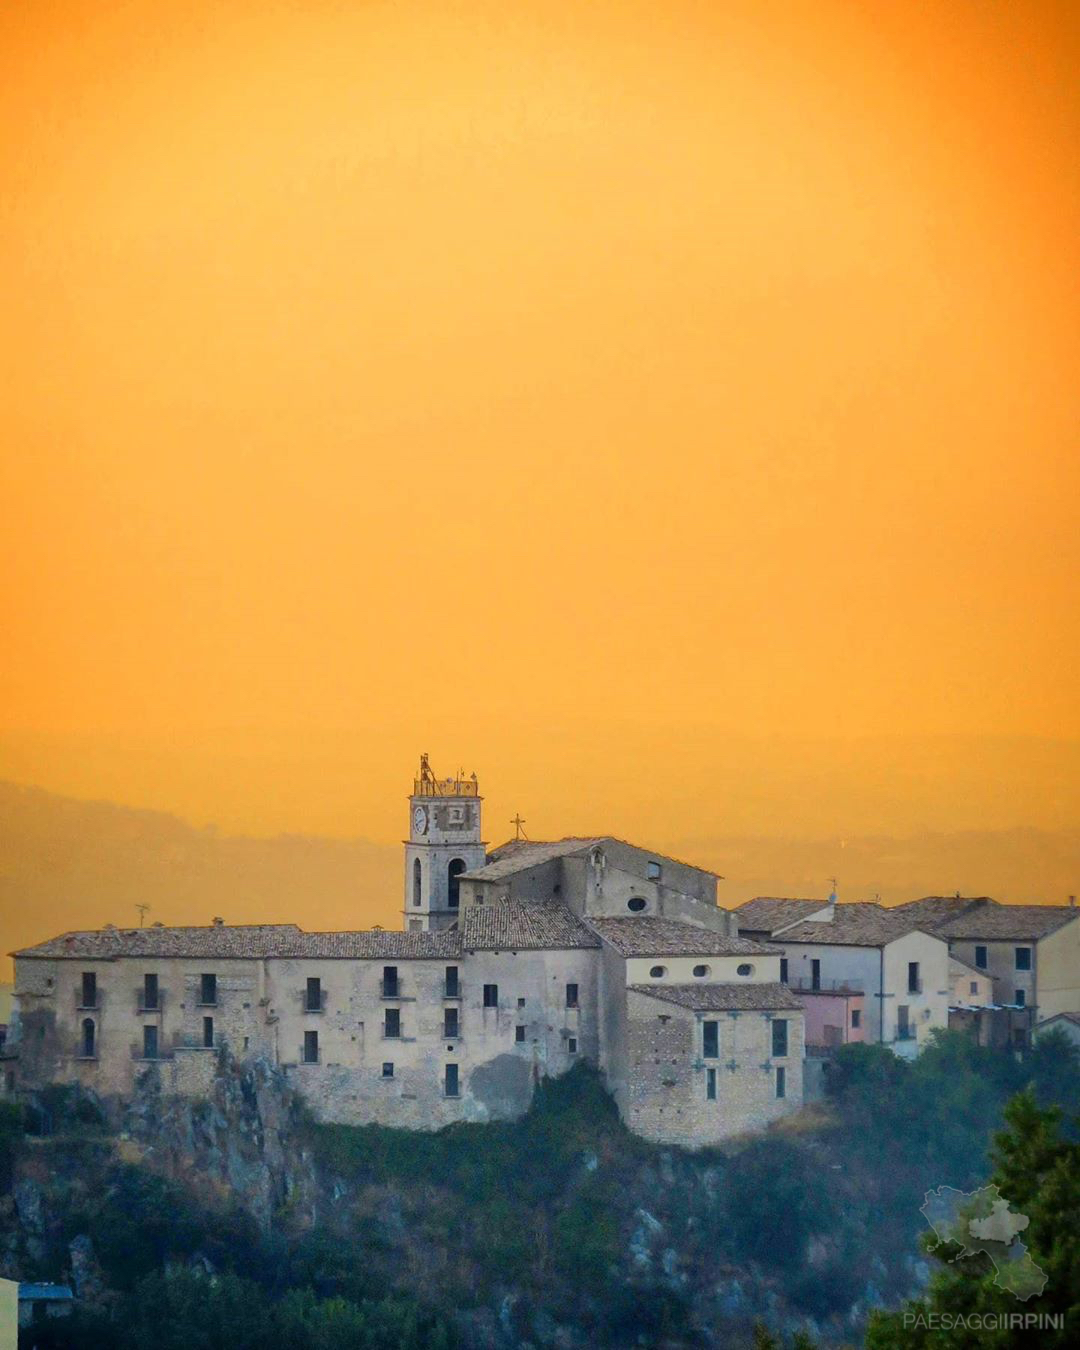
<point x="628" y="400"/>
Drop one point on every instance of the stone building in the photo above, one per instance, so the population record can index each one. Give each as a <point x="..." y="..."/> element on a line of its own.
<point x="510" y="967"/>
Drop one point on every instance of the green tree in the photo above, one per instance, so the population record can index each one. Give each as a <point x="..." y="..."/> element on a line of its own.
<point x="1037" y="1170"/>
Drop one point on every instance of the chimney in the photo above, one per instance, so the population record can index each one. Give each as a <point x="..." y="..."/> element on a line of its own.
<point x="1072" y="901"/>
<point x="218" y="923"/>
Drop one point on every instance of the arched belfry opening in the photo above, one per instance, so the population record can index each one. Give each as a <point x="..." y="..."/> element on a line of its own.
<point x="417" y="883"/>
<point x="453" y="884"/>
<point x="89" y="1035"/>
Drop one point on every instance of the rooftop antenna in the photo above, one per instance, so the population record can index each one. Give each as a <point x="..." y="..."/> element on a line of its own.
<point x="142" y="908"/>
<point x="832" y="894"/>
<point x="517" y="823"/>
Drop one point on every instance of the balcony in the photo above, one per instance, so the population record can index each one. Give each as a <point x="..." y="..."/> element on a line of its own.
<point x="88" y="1002"/>
<point x="313" y="1002"/>
<point x="144" y="1005"/>
<point x="391" y="989"/>
<point x="905" y="1034"/>
<point x="915" y="986"/>
<point x="811" y="986"/>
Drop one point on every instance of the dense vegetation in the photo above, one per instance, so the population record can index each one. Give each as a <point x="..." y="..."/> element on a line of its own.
<point x="562" y="1220"/>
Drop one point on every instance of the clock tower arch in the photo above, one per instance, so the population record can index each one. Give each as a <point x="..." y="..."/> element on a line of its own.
<point x="444" y="841"/>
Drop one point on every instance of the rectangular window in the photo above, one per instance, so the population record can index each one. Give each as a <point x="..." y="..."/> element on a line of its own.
<point x="1023" y="958"/>
<point x="980" y="957"/>
<point x="913" y="984"/>
<point x="311" y="1047"/>
<point x="208" y="1033"/>
<point x="450" y="1081"/>
<point x="1020" y="999"/>
<point x="653" y="871"/>
<point x="519" y="1035"/>
<point x="392" y="1022"/>
<point x="149" y="1042"/>
<point x="387" y="1069"/>
<point x="150" y="991"/>
<point x="491" y="995"/>
<point x="571" y="1046"/>
<point x="450" y="1022"/>
<point x="313" y="994"/>
<point x="815" y="974"/>
<point x="973" y="988"/>
<point x="521" y="1003"/>
<point x="783" y="970"/>
<point x="710" y="1084"/>
<point x="903" y="1026"/>
<point x="571" y="996"/>
<point x="208" y="990"/>
<point x="781" y="1082"/>
<point x="710" y="1034"/>
<point x="389" y="982"/>
<point x="88" y="995"/>
<point x="452" y="986"/>
<point x="856" y="1017"/>
<point x="779" y="1037"/>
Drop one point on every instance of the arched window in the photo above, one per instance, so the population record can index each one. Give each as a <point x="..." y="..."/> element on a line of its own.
<point x="89" y="1033"/>
<point x="457" y="866"/>
<point x="700" y="972"/>
<point x="417" y="882"/>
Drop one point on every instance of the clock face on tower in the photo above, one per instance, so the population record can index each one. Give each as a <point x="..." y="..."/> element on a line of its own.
<point x="419" y="820"/>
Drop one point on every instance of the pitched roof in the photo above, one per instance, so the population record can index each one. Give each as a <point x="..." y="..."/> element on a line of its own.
<point x="1073" y="1017"/>
<point x="766" y="912"/>
<point x="935" y="909"/>
<point x="669" y="937"/>
<point x="245" y="941"/>
<point x="855" y="924"/>
<point x="958" y="968"/>
<point x="515" y="925"/>
<point x="1007" y="922"/>
<point x="520" y="854"/>
<point x="723" y="997"/>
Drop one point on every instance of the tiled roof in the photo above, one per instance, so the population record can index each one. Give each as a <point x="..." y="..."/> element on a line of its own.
<point x="1073" y="1017"/>
<point x="669" y="937"/>
<point x="1006" y="923"/>
<point x="219" y="940"/>
<point x="377" y="944"/>
<point x="724" y="997"/>
<point x="238" y="942"/>
<point x="516" y="925"/>
<point x="766" y="912"/>
<point x="856" y="924"/>
<point x="520" y="854"/>
<point x="935" y="909"/>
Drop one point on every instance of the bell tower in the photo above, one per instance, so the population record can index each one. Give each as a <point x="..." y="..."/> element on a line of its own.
<point x="444" y="841"/>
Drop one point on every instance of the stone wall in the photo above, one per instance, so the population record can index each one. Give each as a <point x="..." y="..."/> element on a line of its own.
<point x="666" y="1090"/>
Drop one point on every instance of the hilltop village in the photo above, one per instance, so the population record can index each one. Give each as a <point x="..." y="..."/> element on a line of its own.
<point x="516" y="963"/>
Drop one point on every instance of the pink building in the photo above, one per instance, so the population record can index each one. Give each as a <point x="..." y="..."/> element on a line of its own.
<point x="834" y="1016"/>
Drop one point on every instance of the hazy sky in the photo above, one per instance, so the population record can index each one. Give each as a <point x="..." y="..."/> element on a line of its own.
<point x="617" y="398"/>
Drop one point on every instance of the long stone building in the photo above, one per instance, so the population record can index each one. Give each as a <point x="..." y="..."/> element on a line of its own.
<point x="510" y="966"/>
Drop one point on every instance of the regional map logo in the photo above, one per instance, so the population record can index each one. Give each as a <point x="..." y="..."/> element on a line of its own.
<point x="982" y="1222"/>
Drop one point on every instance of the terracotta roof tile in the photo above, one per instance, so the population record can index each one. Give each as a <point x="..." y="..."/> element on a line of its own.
<point x="518" y="925"/>
<point x="723" y="997"/>
<point x="766" y="912"/>
<point x="669" y="937"/>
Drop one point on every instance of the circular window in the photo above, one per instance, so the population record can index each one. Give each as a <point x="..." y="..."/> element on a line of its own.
<point x="636" y="904"/>
<point x="700" y="972"/>
<point x="744" y="969"/>
<point x="657" y="973"/>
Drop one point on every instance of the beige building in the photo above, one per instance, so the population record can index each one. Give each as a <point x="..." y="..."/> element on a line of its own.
<point x="511" y="967"/>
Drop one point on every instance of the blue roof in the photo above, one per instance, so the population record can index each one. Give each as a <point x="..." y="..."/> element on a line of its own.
<point x="40" y="1292"/>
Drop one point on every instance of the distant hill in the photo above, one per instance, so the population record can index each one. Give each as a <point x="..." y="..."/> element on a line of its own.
<point x="66" y="863"/>
<point x="75" y="864"/>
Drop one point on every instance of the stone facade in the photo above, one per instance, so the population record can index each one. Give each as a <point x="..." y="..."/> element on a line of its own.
<point x="511" y="967"/>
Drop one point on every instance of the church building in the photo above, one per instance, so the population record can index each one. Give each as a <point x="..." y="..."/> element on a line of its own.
<point x="511" y="965"/>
